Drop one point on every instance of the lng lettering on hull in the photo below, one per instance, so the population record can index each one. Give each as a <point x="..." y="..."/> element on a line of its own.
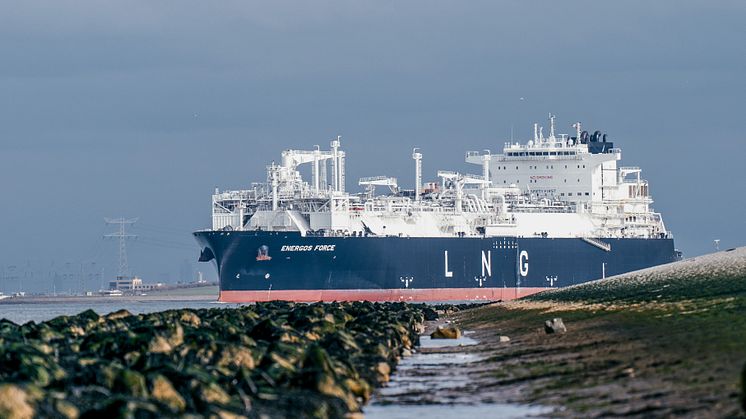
<point x="556" y="211"/>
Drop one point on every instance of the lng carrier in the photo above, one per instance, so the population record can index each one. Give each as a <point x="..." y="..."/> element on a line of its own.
<point x="552" y="212"/>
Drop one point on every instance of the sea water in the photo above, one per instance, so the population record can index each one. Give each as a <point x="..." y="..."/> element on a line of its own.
<point x="20" y="313"/>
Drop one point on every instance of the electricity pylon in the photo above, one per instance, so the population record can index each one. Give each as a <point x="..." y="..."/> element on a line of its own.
<point x="122" y="235"/>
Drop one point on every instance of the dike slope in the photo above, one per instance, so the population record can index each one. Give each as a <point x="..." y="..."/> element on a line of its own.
<point x="660" y="342"/>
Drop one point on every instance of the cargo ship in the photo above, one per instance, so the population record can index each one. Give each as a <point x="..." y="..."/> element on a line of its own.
<point x="551" y="212"/>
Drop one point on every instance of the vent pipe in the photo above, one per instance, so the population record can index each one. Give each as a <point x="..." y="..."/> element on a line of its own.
<point x="417" y="156"/>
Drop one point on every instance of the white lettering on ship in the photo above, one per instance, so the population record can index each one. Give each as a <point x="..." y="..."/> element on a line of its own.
<point x="486" y="264"/>
<point x="449" y="274"/>
<point x="308" y="248"/>
<point x="523" y="262"/>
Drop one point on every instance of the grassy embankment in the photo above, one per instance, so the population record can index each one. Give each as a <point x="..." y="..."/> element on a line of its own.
<point x="660" y="342"/>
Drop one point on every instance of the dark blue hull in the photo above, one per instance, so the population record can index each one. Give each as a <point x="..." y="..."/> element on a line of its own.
<point x="258" y="265"/>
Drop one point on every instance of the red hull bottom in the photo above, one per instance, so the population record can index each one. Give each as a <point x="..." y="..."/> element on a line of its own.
<point x="430" y="294"/>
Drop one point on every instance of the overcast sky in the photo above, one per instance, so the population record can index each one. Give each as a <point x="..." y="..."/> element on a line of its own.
<point x="141" y="108"/>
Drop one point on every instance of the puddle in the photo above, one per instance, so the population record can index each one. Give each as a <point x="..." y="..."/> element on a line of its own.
<point x="427" y="342"/>
<point x="437" y="385"/>
<point x="436" y="411"/>
<point x="436" y="359"/>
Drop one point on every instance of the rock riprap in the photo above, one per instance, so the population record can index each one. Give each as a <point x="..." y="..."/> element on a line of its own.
<point x="270" y="359"/>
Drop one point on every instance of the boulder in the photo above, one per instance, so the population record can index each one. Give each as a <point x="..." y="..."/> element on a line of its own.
<point x="504" y="339"/>
<point x="66" y="409"/>
<point x="159" y="345"/>
<point x="120" y="314"/>
<point x="359" y="388"/>
<point x="164" y="392"/>
<point x="327" y="385"/>
<point x="236" y="356"/>
<point x="383" y="370"/>
<point x="213" y="393"/>
<point x="14" y="403"/>
<point x="447" y="332"/>
<point x="555" y="326"/>
<point x="131" y="383"/>
<point x="187" y="317"/>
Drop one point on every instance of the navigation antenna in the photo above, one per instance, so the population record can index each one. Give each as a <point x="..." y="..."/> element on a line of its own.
<point x="122" y="235"/>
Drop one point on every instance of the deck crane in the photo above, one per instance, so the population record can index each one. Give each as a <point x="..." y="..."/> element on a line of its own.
<point x="370" y="184"/>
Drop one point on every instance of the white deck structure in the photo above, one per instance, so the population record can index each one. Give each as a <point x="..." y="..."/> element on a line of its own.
<point x="555" y="186"/>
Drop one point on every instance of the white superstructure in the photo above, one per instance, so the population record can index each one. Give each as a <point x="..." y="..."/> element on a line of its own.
<point x="554" y="186"/>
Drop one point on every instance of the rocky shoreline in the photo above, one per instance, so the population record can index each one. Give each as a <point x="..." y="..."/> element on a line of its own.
<point x="264" y="360"/>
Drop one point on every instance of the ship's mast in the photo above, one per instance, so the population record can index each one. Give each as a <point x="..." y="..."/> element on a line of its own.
<point x="417" y="156"/>
<point x="486" y="158"/>
<point x="338" y="165"/>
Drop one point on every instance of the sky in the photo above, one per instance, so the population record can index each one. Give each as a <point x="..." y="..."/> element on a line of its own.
<point x="139" y="109"/>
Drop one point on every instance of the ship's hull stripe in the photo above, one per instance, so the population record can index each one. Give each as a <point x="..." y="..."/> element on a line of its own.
<point x="429" y="294"/>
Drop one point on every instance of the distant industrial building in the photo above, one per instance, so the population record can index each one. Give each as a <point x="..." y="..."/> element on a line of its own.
<point x="132" y="284"/>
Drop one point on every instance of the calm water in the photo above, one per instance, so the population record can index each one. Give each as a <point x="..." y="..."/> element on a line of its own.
<point x="38" y="312"/>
